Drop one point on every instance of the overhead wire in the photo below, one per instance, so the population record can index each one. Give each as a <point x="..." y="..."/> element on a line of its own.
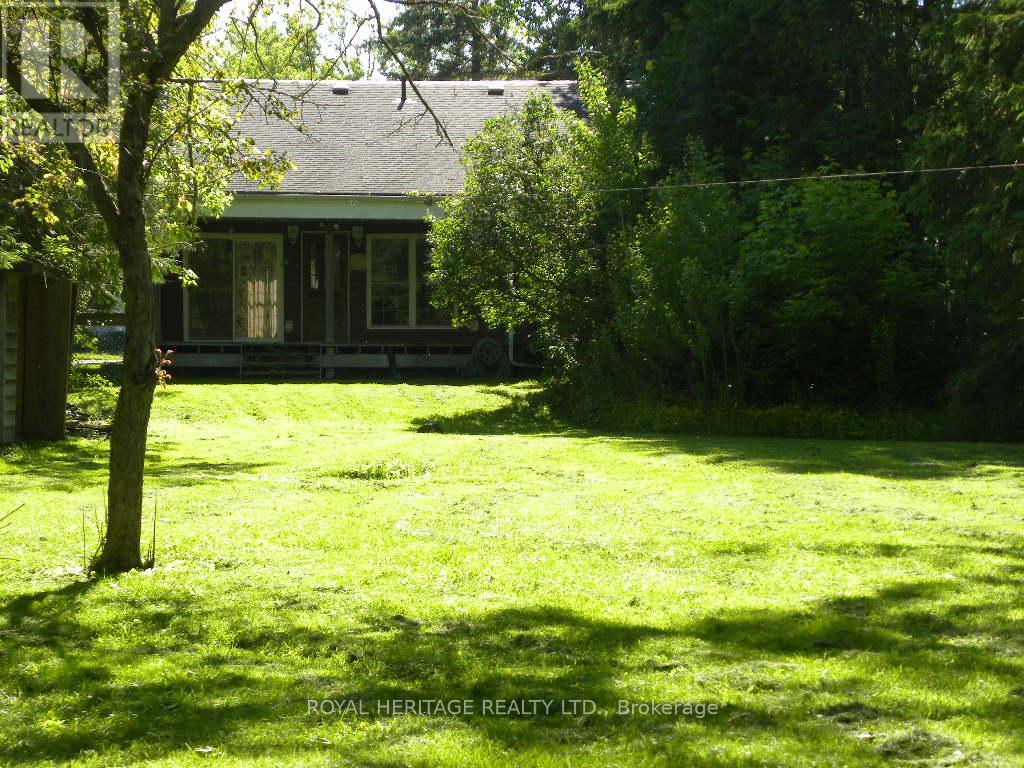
<point x="820" y="177"/>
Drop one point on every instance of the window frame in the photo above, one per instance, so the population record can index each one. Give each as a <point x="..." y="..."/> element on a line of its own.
<point x="411" y="240"/>
<point x="278" y="240"/>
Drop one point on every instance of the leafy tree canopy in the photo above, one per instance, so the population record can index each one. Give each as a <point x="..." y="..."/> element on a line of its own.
<point x="296" y="42"/>
<point x="483" y="39"/>
<point x="526" y="243"/>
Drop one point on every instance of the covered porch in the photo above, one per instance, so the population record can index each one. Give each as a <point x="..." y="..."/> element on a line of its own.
<point x="311" y="285"/>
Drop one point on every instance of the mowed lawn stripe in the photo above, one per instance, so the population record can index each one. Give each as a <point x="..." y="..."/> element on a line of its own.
<point x="841" y="603"/>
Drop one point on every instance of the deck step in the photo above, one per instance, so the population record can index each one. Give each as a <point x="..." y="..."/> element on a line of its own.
<point x="279" y="363"/>
<point x="315" y="363"/>
<point x="270" y="373"/>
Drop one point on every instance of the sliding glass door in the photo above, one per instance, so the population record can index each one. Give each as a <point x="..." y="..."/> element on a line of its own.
<point x="238" y="292"/>
<point x="209" y="301"/>
<point x="257" y="287"/>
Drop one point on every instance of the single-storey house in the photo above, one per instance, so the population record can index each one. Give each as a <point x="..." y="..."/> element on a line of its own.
<point x="330" y="271"/>
<point x="37" y="308"/>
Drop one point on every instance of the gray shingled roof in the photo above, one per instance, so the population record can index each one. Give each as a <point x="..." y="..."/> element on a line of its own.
<point x="366" y="143"/>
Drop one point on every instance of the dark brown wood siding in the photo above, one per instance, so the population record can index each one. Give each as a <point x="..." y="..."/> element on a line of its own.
<point x="48" y="318"/>
<point x="10" y="327"/>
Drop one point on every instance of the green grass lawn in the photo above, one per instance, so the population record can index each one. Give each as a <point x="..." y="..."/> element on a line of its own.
<point x="844" y="604"/>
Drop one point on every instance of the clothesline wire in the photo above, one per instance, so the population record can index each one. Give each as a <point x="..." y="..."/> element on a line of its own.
<point x="823" y="177"/>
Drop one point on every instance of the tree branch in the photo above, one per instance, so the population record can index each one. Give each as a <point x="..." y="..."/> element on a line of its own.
<point x="441" y="130"/>
<point x="176" y="36"/>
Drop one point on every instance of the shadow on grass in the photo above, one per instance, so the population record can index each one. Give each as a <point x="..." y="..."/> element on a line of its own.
<point x="179" y="473"/>
<point x="72" y="465"/>
<point x="65" y="466"/>
<point x="166" y="672"/>
<point x="169" y="686"/>
<point x="526" y="413"/>
<point x="908" y="639"/>
<point x="523" y="413"/>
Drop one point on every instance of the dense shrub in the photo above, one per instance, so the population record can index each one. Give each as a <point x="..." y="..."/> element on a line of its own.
<point x="832" y="301"/>
<point x="975" y="221"/>
<point x="803" y="421"/>
<point x="739" y="303"/>
<point x="93" y="394"/>
<point x="676" y="285"/>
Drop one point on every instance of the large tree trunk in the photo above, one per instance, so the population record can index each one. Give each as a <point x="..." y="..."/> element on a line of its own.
<point x="122" y="541"/>
<point x="121" y="550"/>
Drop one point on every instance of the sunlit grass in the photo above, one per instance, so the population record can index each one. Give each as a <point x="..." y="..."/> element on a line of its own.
<point x="841" y="603"/>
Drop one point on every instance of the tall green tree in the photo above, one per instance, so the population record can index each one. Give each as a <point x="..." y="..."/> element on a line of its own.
<point x="975" y="220"/>
<point x="526" y="244"/>
<point x="143" y="192"/>
<point x="483" y="39"/>
<point x="810" y="81"/>
<point x="820" y="294"/>
<point x="301" y="46"/>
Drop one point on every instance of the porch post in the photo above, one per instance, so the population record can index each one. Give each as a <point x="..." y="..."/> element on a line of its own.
<point x="330" y="275"/>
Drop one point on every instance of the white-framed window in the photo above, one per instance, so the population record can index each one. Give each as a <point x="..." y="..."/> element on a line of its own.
<point x="239" y="295"/>
<point x="398" y="289"/>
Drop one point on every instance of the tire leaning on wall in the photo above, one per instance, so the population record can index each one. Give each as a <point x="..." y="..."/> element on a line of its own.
<point x="490" y="360"/>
